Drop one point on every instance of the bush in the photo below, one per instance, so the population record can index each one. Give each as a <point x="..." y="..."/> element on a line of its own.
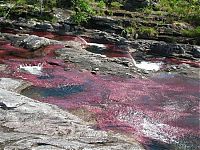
<point x="187" y="10"/>
<point x="192" y="33"/>
<point x="116" y="5"/>
<point x="148" y="31"/>
<point x="101" y="5"/>
<point x="83" y="11"/>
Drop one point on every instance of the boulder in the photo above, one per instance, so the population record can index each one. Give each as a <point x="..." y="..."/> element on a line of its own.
<point x="166" y="49"/>
<point x="44" y="27"/>
<point x="196" y="51"/>
<point x="33" y="42"/>
<point x="107" y="24"/>
<point x="134" y="4"/>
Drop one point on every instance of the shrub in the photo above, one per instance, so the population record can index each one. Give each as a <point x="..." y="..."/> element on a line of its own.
<point x="187" y="10"/>
<point x="128" y="31"/>
<point x="83" y="11"/>
<point x="192" y="33"/>
<point x="116" y="5"/>
<point x="148" y="31"/>
<point x="101" y="5"/>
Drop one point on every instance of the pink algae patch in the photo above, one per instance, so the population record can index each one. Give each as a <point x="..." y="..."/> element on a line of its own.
<point x="8" y="51"/>
<point x="48" y="35"/>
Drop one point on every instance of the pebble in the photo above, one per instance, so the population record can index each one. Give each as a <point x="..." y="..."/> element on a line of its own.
<point x="96" y="69"/>
<point x="94" y="72"/>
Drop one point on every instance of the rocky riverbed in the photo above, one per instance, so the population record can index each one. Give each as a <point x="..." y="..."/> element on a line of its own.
<point x="111" y="92"/>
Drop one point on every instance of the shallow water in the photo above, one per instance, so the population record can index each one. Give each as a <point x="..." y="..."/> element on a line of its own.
<point x="42" y="92"/>
<point x="161" y="112"/>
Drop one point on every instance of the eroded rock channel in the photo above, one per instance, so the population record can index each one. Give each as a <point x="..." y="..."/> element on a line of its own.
<point x="113" y="87"/>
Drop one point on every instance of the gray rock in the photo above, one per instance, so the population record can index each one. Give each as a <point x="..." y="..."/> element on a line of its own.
<point x="34" y="42"/>
<point x="30" y="42"/>
<point x="166" y="49"/>
<point x="44" y="26"/>
<point x="196" y="51"/>
<point x="133" y="4"/>
<point x="105" y="24"/>
<point x="161" y="48"/>
<point x="13" y="85"/>
<point x="88" y="60"/>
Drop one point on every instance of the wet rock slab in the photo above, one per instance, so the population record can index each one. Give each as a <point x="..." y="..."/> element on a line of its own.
<point x="34" y="125"/>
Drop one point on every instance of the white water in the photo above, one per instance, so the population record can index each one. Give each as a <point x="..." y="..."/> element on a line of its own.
<point x="97" y="45"/>
<point x="83" y="41"/>
<point x="148" y="66"/>
<point x="35" y="70"/>
<point x="142" y="65"/>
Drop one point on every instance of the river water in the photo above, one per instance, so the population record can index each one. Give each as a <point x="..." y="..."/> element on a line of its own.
<point x="161" y="112"/>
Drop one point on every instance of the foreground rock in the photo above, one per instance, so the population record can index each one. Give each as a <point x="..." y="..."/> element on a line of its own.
<point x="28" y="124"/>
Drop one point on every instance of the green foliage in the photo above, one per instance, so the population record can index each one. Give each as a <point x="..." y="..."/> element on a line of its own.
<point x="101" y="5"/>
<point x="148" y="10"/>
<point x="50" y="4"/>
<point x="20" y="2"/>
<point x="83" y="11"/>
<point x="116" y="5"/>
<point x="188" y="10"/>
<point x="148" y="31"/>
<point x="128" y="31"/>
<point x="3" y="11"/>
<point x="110" y="12"/>
<point x="192" y="33"/>
<point x="28" y="9"/>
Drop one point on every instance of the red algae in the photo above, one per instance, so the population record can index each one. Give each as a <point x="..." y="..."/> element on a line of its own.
<point x="145" y="108"/>
<point x="7" y="51"/>
<point x="48" y="35"/>
<point x="164" y="108"/>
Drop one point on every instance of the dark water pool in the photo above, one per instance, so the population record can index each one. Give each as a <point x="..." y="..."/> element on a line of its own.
<point x="42" y="92"/>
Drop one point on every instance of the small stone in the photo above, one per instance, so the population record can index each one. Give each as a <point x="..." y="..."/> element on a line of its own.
<point x="103" y="56"/>
<point x="96" y="69"/>
<point x="174" y="67"/>
<point x="145" y="72"/>
<point x="94" y="72"/>
<point x="129" y="74"/>
<point x="67" y="69"/>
